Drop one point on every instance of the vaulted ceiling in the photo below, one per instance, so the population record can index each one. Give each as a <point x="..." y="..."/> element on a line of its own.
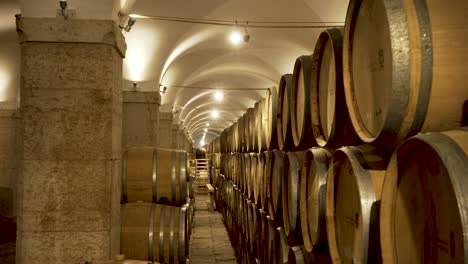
<point x="196" y="56"/>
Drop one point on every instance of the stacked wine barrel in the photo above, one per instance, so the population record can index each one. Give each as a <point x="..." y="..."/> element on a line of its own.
<point x="359" y="155"/>
<point x="157" y="205"/>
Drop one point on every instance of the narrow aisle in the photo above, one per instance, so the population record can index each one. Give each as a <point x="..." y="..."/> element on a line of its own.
<point x="210" y="241"/>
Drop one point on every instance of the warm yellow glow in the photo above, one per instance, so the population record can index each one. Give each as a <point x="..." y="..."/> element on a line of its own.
<point x="206" y="129"/>
<point x="214" y="113"/>
<point x="235" y="38"/>
<point x="142" y="44"/>
<point x="126" y="5"/>
<point x="218" y="96"/>
<point x="4" y="84"/>
<point x="207" y="124"/>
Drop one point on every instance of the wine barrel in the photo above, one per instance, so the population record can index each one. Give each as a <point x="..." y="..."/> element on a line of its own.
<point x="299" y="255"/>
<point x="293" y="163"/>
<point x="252" y="176"/>
<point x="254" y="131"/>
<point x="248" y="127"/>
<point x="262" y="241"/>
<point x="331" y="125"/>
<point x="154" y="232"/>
<point x="352" y="207"/>
<point x="264" y="194"/>
<point x="154" y="175"/>
<point x="268" y="240"/>
<point x="400" y="82"/>
<point x="281" y="252"/>
<point x="312" y="199"/>
<point x="271" y="136"/>
<point x="262" y="123"/>
<point x="254" y="228"/>
<point x="300" y="103"/>
<point x="283" y="127"/>
<point x="191" y="187"/>
<point x="247" y="171"/>
<point x="276" y="164"/>
<point x="234" y="138"/>
<point x="240" y="132"/>
<point x="258" y="181"/>
<point x="423" y="209"/>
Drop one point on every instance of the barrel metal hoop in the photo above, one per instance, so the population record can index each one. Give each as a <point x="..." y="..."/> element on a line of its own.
<point x="154" y="176"/>
<point x="150" y="235"/>
<point x="171" y="237"/>
<point x="161" y="233"/>
<point x="183" y="177"/>
<point x="425" y="85"/>
<point x="173" y="176"/>
<point x="124" y="177"/>
<point x="182" y="226"/>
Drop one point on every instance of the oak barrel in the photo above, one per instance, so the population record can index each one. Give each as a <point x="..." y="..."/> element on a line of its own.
<point x="300" y="100"/>
<point x="249" y="126"/>
<point x="262" y="123"/>
<point x="154" y="175"/>
<point x="313" y="199"/>
<point x="331" y="125"/>
<point x="154" y="232"/>
<point x="271" y="136"/>
<point x="299" y="255"/>
<point x="281" y="247"/>
<point x="264" y="193"/>
<point x="276" y="171"/>
<point x="354" y="186"/>
<point x="293" y="163"/>
<point x="283" y="120"/>
<point x="424" y="200"/>
<point x="403" y="66"/>
<point x="259" y="181"/>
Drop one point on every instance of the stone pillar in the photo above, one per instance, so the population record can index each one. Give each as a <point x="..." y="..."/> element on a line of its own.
<point x="165" y="130"/>
<point x="71" y="109"/>
<point x="9" y="155"/>
<point x="140" y="118"/>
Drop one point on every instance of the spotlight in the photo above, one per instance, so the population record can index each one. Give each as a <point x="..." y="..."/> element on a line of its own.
<point x="135" y="86"/>
<point x="206" y="129"/>
<point x="207" y="124"/>
<point x="215" y="114"/>
<point x="218" y="96"/>
<point x="235" y="38"/>
<point x="63" y="6"/>
<point x="162" y="89"/>
<point x="130" y="23"/>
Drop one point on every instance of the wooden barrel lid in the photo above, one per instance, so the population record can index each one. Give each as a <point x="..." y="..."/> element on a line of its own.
<point x="284" y="132"/>
<point x="353" y="192"/>
<point x="424" y="200"/>
<point x="313" y="199"/>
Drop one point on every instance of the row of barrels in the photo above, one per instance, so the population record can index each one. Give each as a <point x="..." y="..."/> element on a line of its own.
<point x="157" y="204"/>
<point x="366" y="82"/>
<point x="356" y="204"/>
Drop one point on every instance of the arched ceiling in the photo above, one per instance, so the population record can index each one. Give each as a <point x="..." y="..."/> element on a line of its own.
<point x="178" y="54"/>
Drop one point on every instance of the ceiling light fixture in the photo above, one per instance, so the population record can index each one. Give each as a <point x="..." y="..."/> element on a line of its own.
<point x="162" y="89"/>
<point x="207" y="124"/>
<point x="235" y="38"/>
<point x="214" y="113"/>
<point x="218" y="96"/>
<point x="206" y="129"/>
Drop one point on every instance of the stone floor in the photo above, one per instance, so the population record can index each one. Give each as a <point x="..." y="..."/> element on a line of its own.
<point x="210" y="241"/>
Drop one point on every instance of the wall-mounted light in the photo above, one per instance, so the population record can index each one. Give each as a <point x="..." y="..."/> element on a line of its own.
<point x="214" y="113"/>
<point x="207" y="124"/>
<point x="126" y="22"/>
<point x="162" y="89"/>
<point x="135" y="86"/>
<point x="218" y="96"/>
<point x="64" y="8"/>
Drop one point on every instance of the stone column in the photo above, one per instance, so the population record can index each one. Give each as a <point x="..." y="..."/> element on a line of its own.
<point x="165" y="130"/>
<point x="71" y="108"/>
<point x="140" y="118"/>
<point x="9" y="155"/>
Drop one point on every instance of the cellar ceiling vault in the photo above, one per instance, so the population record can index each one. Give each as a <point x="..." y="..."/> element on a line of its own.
<point x="190" y="55"/>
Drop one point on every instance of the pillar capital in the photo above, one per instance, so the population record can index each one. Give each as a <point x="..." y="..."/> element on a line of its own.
<point x="70" y="31"/>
